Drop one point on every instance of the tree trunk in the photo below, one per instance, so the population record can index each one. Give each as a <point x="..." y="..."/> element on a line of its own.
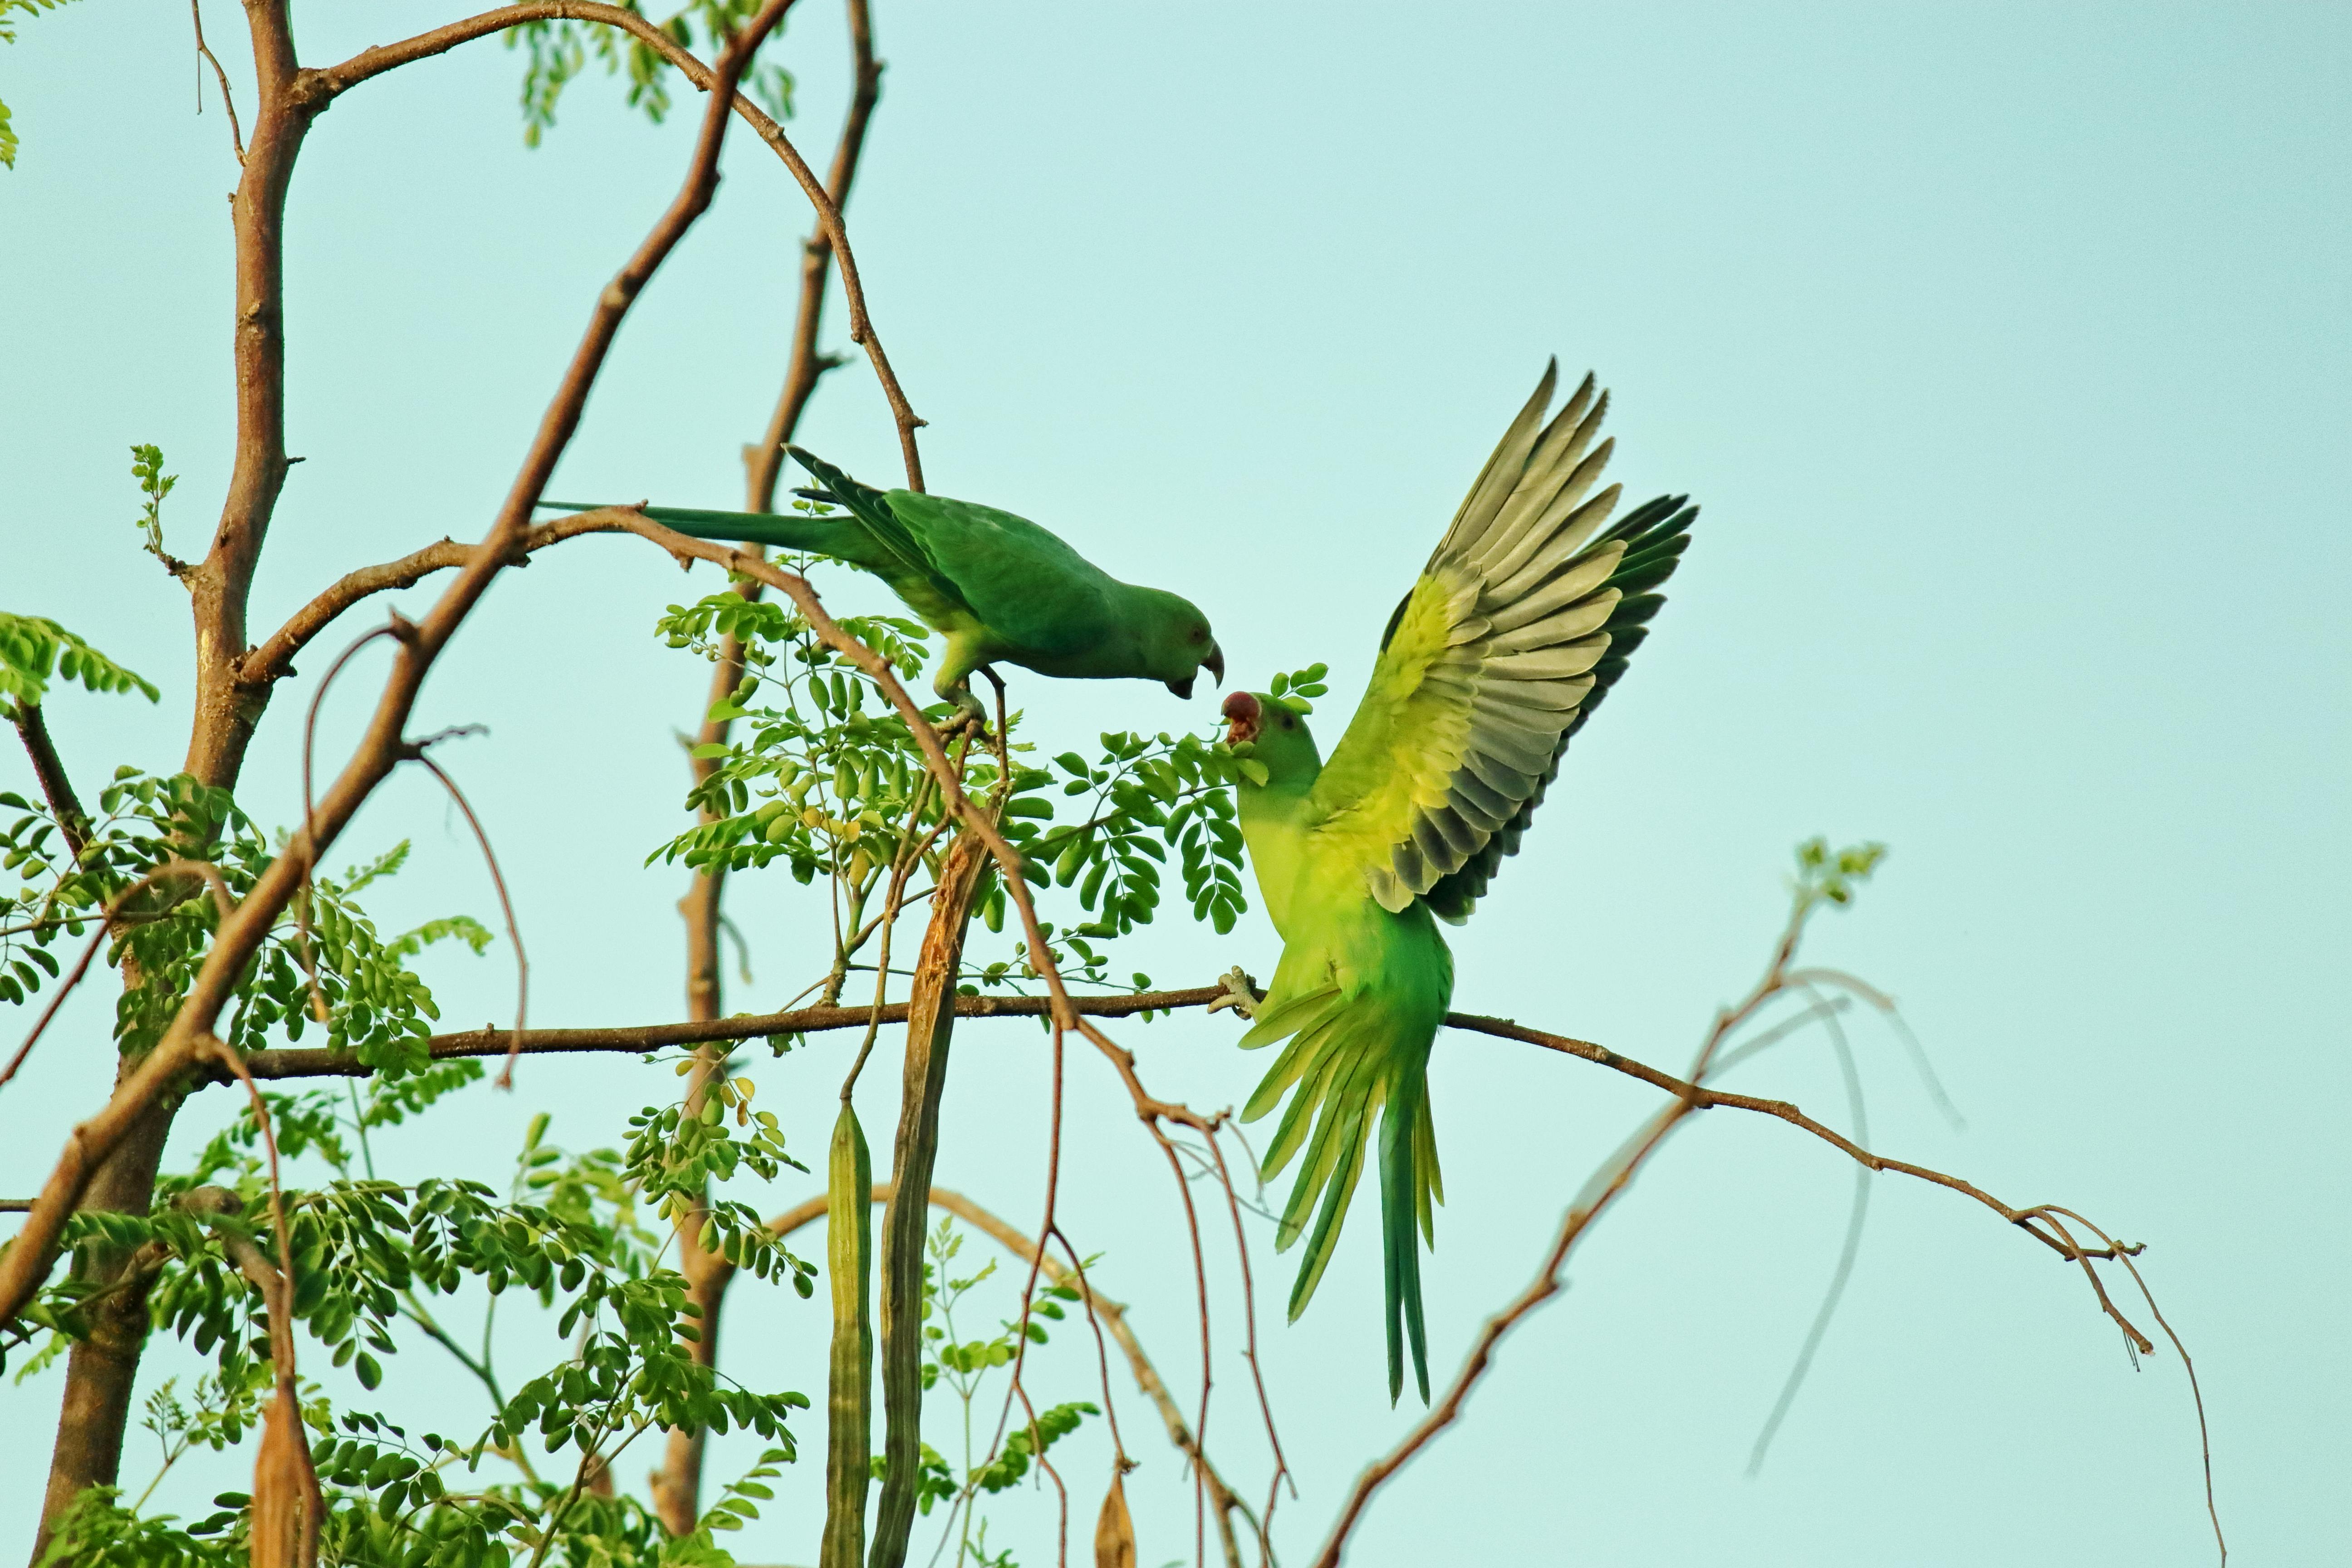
<point x="100" y="1369"/>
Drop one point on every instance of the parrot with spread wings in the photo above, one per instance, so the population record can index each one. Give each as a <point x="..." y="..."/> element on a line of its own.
<point x="998" y="587"/>
<point x="1517" y="628"/>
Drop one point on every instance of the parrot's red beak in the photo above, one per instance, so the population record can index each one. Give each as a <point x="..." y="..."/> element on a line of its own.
<point x="1242" y="713"/>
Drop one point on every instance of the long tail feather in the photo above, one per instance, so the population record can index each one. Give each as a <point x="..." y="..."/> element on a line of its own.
<point x="1404" y="1197"/>
<point x="780" y="530"/>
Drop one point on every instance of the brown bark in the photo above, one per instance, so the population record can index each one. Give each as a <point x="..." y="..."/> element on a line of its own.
<point x="55" y="787"/>
<point x="962" y="878"/>
<point x="101" y="1371"/>
<point x="226" y="706"/>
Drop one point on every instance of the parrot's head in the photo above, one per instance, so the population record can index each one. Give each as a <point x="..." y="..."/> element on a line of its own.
<point x="1277" y="737"/>
<point x="1176" y="642"/>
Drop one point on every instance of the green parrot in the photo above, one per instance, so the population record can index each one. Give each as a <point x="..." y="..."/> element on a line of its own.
<point x="1518" y="627"/>
<point x="997" y="587"/>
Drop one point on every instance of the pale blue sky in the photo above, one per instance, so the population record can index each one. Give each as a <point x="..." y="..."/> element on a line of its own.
<point x="2005" y="347"/>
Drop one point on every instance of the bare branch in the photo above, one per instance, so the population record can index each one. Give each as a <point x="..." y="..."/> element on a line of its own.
<point x="506" y="908"/>
<point x="65" y="807"/>
<point x="491" y="1040"/>
<point x="228" y="99"/>
<point x="808" y="364"/>
<point x="275" y="659"/>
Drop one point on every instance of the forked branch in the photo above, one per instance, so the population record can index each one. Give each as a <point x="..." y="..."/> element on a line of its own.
<point x="29" y="1260"/>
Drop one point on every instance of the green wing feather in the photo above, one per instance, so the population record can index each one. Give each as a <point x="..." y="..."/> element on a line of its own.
<point x="1032" y="590"/>
<point x="1520" y="621"/>
<point x="909" y="561"/>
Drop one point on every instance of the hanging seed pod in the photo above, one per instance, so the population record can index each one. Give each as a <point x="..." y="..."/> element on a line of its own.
<point x="849" y="1258"/>
<point x="1115" y="1527"/>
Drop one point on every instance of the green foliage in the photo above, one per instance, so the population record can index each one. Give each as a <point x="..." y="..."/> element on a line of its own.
<point x="9" y="36"/>
<point x="367" y="1255"/>
<point x="1145" y="796"/>
<point x="1832" y="877"/>
<point x="965" y="1366"/>
<point x="373" y="1003"/>
<point x="98" y="1532"/>
<point x="675" y="1155"/>
<point x="561" y="50"/>
<point x="33" y="648"/>
<point x="1292" y="690"/>
<point x="823" y="776"/>
<point x="147" y="467"/>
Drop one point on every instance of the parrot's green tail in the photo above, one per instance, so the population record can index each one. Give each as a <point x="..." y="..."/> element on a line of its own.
<point x="778" y="530"/>
<point x="1350" y="1061"/>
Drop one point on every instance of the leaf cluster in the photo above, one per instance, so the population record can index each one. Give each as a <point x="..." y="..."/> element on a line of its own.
<point x="1829" y="875"/>
<point x="9" y="36"/>
<point x="560" y="51"/>
<point x="33" y="648"/>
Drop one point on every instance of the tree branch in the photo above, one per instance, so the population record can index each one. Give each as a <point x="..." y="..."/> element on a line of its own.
<point x="29" y="1260"/>
<point x="490" y="1041"/>
<point x="678" y="1485"/>
<point x="368" y="63"/>
<point x="275" y="659"/>
<point x="65" y="807"/>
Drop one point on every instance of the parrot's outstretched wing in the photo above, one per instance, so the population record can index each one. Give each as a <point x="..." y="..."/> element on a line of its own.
<point x="1521" y="620"/>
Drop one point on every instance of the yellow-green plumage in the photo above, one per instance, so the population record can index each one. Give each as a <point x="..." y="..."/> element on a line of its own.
<point x="1514" y="631"/>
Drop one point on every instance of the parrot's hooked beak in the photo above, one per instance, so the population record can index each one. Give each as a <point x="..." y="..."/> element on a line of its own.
<point x="1214" y="661"/>
<point x="1243" y="713"/>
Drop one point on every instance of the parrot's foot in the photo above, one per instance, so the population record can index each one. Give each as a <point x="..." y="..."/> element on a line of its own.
<point x="1241" y="994"/>
<point x="969" y="717"/>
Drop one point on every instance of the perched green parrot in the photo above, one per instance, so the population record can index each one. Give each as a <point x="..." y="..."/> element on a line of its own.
<point x="1515" y="630"/>
<point x="997" y="587"/>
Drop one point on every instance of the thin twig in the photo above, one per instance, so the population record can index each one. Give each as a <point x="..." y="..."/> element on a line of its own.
<point x="302" y="894"/>
<point x="204" y="868"/>
<point x="336" y="80"/>
<point x="2123" y="1255"/>
<point x="1112" y="1315"/>
<point x="506" y="908"/>
<point x="1848" y="1250"/>
<point x="229" y="99"/>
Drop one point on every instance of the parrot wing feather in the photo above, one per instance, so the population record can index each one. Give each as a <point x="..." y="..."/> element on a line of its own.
<point x="909" y="567"/>
<point x="1515" y="628"/>
<point x="1023" y="580"/>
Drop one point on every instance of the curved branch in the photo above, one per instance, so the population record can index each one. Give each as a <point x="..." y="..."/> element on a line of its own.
<point x="275" y="659"/>
<point x="334" y="81"/>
